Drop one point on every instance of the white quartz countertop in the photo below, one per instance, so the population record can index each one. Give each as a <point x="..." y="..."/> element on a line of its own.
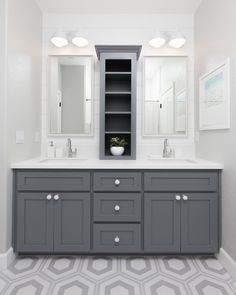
<point x="149" y="163"/>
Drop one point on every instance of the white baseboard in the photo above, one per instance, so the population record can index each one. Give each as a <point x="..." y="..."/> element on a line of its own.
<point x="227" y="261"/>
<point x="6" y="258"/>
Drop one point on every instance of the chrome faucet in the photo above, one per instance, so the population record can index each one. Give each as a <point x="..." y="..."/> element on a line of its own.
<point x="167" y="151"/>
<point x="69" y="150"/>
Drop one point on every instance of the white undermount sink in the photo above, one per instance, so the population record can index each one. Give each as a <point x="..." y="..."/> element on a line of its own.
<point x="177" y="161"/>
<point x="61" y="160"/>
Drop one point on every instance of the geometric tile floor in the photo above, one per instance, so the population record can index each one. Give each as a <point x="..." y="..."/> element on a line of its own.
<point x="76" y="275"/>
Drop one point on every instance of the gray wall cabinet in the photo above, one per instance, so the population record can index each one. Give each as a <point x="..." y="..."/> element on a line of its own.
<point x="118" y="98"/>
<point x="117" y="211"/>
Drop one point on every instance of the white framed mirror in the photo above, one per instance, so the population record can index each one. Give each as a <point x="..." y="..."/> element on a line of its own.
<point x="70" y="95"/>
<point x="165" y="96"/>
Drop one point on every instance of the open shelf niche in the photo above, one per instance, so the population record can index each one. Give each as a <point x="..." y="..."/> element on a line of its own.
<point x="118" y="97"/>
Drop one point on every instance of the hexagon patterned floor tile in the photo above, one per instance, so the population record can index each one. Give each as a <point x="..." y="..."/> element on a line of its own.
<point x="98" y="268"/>
<point x="138" y="267"/>
<point x="60" y="267"/>
<point x="103" y="275"/>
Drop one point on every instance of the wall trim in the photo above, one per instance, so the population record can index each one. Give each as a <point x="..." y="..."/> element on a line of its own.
<point x="7" y="258"/>
<point x="227" y="261"/>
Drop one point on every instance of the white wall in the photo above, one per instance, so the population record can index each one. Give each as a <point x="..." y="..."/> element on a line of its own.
<point x="215" y="38"/>
<point x="21" y="105"/>
<point x="119" y="29"/>
<point x="3" y="126"/>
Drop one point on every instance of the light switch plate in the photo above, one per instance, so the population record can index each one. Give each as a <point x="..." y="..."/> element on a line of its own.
<point x="20" y="137"/>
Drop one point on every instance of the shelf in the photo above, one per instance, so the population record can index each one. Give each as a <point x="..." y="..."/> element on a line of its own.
<point x="118" y="113"/>
<point x="118" y="73"/>
<point x="118" y="92"/>
<point x="117" y="132"/>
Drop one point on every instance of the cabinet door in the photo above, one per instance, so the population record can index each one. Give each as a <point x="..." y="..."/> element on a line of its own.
<point x="161" y="223"/>
<point x="34" y="228"/>
<point x="72" y="222"/>
<point x="199" y="223"/>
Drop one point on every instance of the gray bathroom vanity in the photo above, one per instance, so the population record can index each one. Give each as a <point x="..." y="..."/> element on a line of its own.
<point x="113" y="211"/>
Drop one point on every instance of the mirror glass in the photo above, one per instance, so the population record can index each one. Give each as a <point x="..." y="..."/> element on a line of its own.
<point x="165" y="96"/>
<point x="70" y="95"/>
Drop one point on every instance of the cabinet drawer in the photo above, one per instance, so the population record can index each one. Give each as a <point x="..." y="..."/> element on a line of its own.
<point x="116" y="238"/>
<point x="53" y="181"/>
<point x="117" y="181"/>
<point x="120" y="207"/>
<point x="180" y="181"/>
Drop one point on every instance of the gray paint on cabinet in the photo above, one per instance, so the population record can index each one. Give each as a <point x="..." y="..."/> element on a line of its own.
<point x="150" y="219"/>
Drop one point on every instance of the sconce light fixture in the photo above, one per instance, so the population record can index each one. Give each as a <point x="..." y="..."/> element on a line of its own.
<point x="175" y="39"/>
<point x="60" y="39"/>
<point x="79" y="41"/>
<point x="158" y="40"/>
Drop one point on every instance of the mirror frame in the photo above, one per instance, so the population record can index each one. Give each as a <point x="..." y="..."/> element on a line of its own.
<point x="184" y="136"/>
<point x="91" y="134"/>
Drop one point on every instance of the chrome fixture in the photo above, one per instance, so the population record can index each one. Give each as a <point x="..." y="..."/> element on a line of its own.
<point x="167" y="151"/>
<point x="69" y="151"/>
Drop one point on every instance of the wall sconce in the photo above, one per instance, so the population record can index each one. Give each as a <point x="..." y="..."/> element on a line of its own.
<point x="159" y="40"/>
<point x="60" y="39"/>
<point x="176" y="39"/>
<point x="79" y="41"/>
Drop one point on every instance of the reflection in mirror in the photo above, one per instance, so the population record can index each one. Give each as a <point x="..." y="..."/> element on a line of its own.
<point x="70" y="95"/>
<point x="165" y="96"/>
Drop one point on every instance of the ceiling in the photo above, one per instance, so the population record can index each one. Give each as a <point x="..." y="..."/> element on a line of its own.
<point x="119" y="6"/>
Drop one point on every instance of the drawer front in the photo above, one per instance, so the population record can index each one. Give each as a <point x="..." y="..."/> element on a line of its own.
<point x="117" y="207"/>
<point x="53" y="181"/>
<point x="117" y="181"/>
<point x="117" y="238"/>
<point x="180" y="181"/>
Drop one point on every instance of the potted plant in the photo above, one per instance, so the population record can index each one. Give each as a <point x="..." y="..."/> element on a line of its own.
<point x="117" y="146"/>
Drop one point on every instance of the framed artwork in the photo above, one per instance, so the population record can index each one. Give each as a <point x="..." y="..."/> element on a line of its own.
<point x="214" y="103"/>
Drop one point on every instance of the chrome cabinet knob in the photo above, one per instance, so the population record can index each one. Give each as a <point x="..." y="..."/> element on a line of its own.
<point x="117" y="208"/>
<point x="177" y="197"/>
<point x="117" y="240"/>
<point x="185" y="198"/>
<point x="117" y="182"/>
<point x="56" y="197"/>
<point x="49" y="197"/>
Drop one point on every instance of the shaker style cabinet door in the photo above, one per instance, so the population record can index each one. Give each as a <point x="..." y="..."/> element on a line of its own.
<point x="199" y="223"/>
<point x="161" y="223"/>
<point x="34" y="226"/>
<point x="72" y="222"/>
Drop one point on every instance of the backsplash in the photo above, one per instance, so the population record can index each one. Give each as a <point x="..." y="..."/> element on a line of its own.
<point x="104" y="30"/>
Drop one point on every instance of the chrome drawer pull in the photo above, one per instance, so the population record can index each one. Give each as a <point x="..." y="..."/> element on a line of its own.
<point x="117" y="240"/>
<point x="177" y="197"/>
<point x="49" y="197"/>
<point x="117" y="182"/>
<point x="185" y="198"/>
<point x="117" y="208"/>
<point x="56" y="197"/>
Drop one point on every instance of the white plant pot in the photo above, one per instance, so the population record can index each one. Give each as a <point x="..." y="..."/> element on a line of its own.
<point x="117" y="150"/>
